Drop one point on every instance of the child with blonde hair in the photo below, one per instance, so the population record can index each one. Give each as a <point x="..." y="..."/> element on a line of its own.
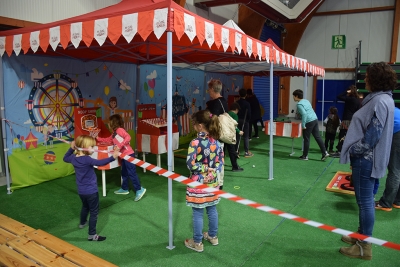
<point x="204" y="160"/>
<point x="86" y="180"/>
<point x="121" y="139"/>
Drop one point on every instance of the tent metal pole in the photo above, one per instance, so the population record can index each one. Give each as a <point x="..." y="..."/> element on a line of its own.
<point x="271" y="121"/>
<point x="305" y="96"/>
<point x="169" y="136"/>
<point x="323" y="102"/>
<point x="3" y="128"/>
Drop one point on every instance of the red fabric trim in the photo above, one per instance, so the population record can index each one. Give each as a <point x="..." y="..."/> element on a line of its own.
<point x="88" y="32"/>
<point x="296" y="128"/>
<point x="139" y="142"/>
<point x="154" y="144"/>
<point x="244" y="43"/>
<point x="65" y="35"/>
<point x="145" y="23"/>
<point x="25" y="42"/>
<point x="114" y="28"/>
<point x="217" y="35"/>
<point x="200" y="30"/>
<point x="179" y="23"/>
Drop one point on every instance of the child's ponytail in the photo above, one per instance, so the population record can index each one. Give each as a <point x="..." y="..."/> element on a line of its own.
<point x="210" y="122"/>
<point x="215" y="127"/>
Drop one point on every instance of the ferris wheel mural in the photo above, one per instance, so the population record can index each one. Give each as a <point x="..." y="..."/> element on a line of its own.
<point x="52" y="101"/>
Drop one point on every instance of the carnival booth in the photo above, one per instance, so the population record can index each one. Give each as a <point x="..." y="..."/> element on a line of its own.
<point x="152" y="132"/>
<point x="129" y="34"/>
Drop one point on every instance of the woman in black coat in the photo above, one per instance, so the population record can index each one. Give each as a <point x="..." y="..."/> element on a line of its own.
<point x="351" y="104"/>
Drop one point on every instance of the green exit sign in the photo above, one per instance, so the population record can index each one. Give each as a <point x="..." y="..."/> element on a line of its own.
<point x="338" y="41"/>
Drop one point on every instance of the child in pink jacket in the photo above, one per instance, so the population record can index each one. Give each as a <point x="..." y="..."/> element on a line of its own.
<point x="121" y="139"/>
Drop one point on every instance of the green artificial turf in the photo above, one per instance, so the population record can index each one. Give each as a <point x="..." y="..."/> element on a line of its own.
<point x="138" y="232"/>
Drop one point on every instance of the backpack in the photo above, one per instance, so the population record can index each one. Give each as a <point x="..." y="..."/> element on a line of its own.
<point x="228" y="127"/>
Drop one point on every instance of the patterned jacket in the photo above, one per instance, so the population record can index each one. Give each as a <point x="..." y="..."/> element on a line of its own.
<point x="203" y="153"/>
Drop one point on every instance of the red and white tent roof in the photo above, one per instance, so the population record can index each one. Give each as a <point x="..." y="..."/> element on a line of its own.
<point x="134" y="31"/>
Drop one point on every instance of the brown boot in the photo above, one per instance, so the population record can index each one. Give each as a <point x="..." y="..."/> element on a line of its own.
<point x="349" y="240"/>
<point x="361" y="250"/>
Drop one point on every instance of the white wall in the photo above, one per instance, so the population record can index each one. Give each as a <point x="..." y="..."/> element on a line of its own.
<point x="374" y="30"/>
<point x="219" y="14"/>
<point x="45" y="11"/>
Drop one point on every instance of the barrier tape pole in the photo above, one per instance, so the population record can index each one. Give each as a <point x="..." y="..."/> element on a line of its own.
<point x="184" y="180"/>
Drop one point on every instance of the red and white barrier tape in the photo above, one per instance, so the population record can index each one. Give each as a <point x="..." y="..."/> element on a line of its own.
<point x="184" y="180"/>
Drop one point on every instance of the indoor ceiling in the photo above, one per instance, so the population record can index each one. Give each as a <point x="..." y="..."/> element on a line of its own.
<point x="279" y="11"/>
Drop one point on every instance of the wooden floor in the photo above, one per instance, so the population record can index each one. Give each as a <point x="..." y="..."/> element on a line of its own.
<point x="22" y="245"/>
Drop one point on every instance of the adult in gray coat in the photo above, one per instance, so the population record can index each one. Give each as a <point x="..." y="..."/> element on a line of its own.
<point x="366" y="147"/>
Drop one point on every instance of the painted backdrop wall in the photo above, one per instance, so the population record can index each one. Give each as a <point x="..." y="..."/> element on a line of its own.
<point x="41" y="94"/>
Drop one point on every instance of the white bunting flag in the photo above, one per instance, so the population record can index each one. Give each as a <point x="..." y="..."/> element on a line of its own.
<point x="129" y="26"/>
<point x="249" y="46"/>
<point x="160" y="22"/>
<point x="225" y="38"/>
<point x="101" y="30"/>
<point x="209" y="32"/>
<point x="76" y="33"/>
<point x="238" y="42"/>
<point x="2" y="45"/>
<point x="267" y="53"/>
<point x="190" y="26"/>
<point x="34" y="40"/>
<point x="259" y="51"/>
<point x="54" y="38"/>
<point x="17" y="43"/>
<point x="277" y="56"/>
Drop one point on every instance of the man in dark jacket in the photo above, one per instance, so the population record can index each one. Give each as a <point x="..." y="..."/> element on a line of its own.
<point x="255" y="113"/>
<point x="244" y="115"/>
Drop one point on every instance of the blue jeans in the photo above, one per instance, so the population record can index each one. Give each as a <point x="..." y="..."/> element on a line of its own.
<point x="212" y="214"/>
<point x="312" y="128"/>
<point x="391" y="195"/>
<point x="128" y="170"/>
<point x="363" y="189"/>
<point x="90" y="203"/>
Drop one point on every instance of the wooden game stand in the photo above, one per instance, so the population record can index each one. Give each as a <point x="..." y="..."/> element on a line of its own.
<point x="285" y="129"/>
<point x="151" y="134"/>
<point x="109" y="166"/>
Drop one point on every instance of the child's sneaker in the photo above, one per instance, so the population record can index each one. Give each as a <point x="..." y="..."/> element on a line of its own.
<point x="302" y="157"/>
<point x="83" y="225"/>
<point x="121" y="192"/>
<point x="324" y="157"/>
<point x="396" y="206"/>
<point x="212" y="240"/>
<point x="248" y="154"/>
<point x="189" y="243"/>
<point x="96" y="237"/>
<point x="140" y="193"/>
